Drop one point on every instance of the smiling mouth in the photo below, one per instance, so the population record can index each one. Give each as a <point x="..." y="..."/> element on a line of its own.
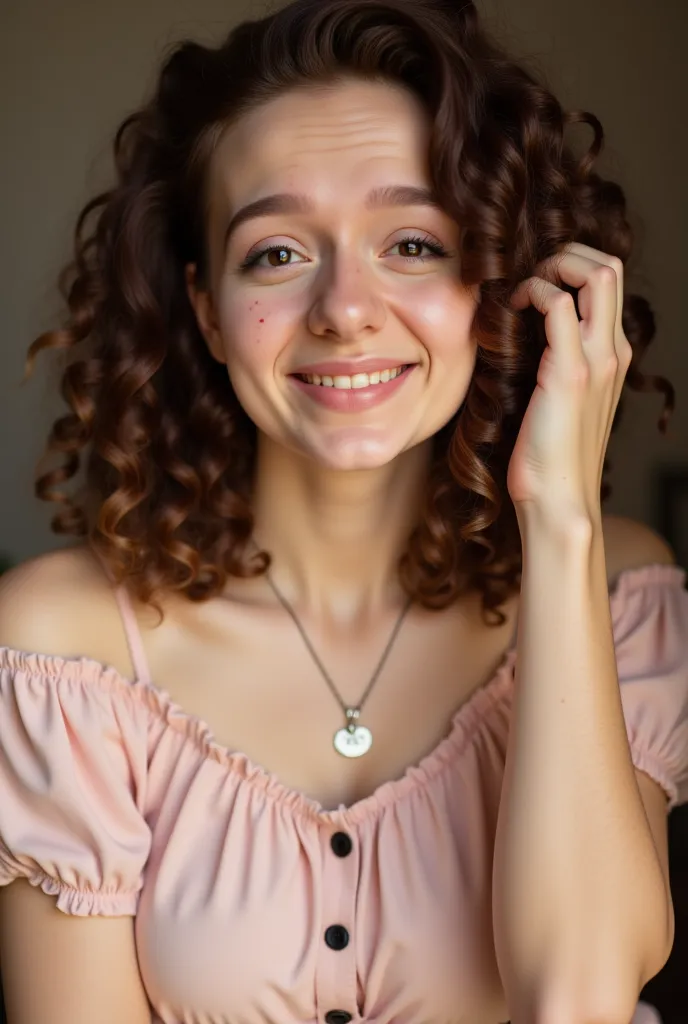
<point x="356" y="381"/>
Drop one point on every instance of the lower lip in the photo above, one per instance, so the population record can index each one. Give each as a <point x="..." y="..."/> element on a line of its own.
<point x="352" y="399"/>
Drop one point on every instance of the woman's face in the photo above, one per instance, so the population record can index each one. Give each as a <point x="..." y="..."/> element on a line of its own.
<point x="351" y="280"/>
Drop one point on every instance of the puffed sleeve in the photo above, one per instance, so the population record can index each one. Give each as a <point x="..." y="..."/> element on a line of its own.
<point x="72" y="782"/>
<point x="649" y="612"/>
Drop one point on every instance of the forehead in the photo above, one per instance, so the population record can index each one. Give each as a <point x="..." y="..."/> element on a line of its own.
<point x="328" y="140"/>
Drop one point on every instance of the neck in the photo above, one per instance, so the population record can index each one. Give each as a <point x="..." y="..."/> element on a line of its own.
<point x="336" y="536"/>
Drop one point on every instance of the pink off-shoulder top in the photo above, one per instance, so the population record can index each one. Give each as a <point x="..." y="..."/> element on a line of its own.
<point x="254" y="905"/>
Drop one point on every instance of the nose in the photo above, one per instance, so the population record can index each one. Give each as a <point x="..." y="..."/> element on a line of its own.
<point x="347" y="304"/>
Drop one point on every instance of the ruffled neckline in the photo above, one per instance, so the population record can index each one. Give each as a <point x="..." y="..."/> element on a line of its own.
<point x="465" y="723"/>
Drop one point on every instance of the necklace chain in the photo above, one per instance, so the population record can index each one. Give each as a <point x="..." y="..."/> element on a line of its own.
<point x="350" y="712"/>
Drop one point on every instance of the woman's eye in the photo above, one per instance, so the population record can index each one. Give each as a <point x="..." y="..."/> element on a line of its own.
<point x="280" y="252"/>
<point x="414" y="246"/>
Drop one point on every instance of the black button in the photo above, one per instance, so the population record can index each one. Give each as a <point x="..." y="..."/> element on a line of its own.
<point x="337" y="937"/>
<point x="342" y="846"/>
<point x="338" y="1017"/>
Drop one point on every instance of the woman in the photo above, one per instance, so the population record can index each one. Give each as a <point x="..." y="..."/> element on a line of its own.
<point x="400" y="742"/>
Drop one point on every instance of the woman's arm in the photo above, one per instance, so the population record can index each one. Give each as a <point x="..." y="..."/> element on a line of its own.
<point x="582" y="911"/>
<point x="62" y="969"/>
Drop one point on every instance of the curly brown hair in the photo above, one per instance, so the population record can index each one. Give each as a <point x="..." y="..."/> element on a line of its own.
<point x="171" y="451"/>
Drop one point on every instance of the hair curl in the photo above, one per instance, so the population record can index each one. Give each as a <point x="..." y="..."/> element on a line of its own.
<point x="167" y="483"/>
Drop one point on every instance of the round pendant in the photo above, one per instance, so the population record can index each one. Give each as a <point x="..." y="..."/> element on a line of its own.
<point x="353" y="743"/>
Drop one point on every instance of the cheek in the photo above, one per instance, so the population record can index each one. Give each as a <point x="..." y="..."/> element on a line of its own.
<point x="441" y="317"/>
<point x="254" y="330"/>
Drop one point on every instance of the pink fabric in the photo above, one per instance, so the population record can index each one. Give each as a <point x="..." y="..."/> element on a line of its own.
<point x="115" y="801"/>
<point x="646" y="1014"/>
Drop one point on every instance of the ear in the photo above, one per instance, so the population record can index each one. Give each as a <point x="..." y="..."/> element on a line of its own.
<point x="202" y="304"/>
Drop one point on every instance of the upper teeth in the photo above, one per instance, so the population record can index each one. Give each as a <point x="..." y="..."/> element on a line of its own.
<point x="358" y="380"/>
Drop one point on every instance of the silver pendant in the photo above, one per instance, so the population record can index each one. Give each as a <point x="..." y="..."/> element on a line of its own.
<point x="353" y="740"/>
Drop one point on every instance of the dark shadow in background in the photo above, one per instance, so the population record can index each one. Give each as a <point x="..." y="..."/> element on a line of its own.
<point x="670" y="488"/>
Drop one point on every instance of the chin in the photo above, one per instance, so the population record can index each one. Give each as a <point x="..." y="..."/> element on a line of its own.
<point x="350" y="451"/>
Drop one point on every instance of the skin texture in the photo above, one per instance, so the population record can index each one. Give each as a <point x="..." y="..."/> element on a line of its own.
<point x="336" y="493"/>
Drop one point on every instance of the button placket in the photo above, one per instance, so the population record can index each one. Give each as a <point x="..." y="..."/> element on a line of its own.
<point x="335" y="980"/>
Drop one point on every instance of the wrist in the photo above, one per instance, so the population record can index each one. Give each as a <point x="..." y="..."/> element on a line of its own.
<point x="568" y="529"/>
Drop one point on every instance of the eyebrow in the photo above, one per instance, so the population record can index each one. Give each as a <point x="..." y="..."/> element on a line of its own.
<point x="287" y="202"/>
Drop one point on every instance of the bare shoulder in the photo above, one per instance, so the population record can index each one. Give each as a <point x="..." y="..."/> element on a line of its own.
<point x="631" y="544"/>
<point x="61" y="603"/>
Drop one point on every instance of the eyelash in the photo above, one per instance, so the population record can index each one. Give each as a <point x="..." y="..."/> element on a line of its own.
<point x="438" y="250"/>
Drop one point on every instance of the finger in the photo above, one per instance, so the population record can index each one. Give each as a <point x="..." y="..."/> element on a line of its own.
<point x="597" y="301"/>
<point x="561" y="322"/>
<point x="611" y="261"/>
<point x="622" y="346"/>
